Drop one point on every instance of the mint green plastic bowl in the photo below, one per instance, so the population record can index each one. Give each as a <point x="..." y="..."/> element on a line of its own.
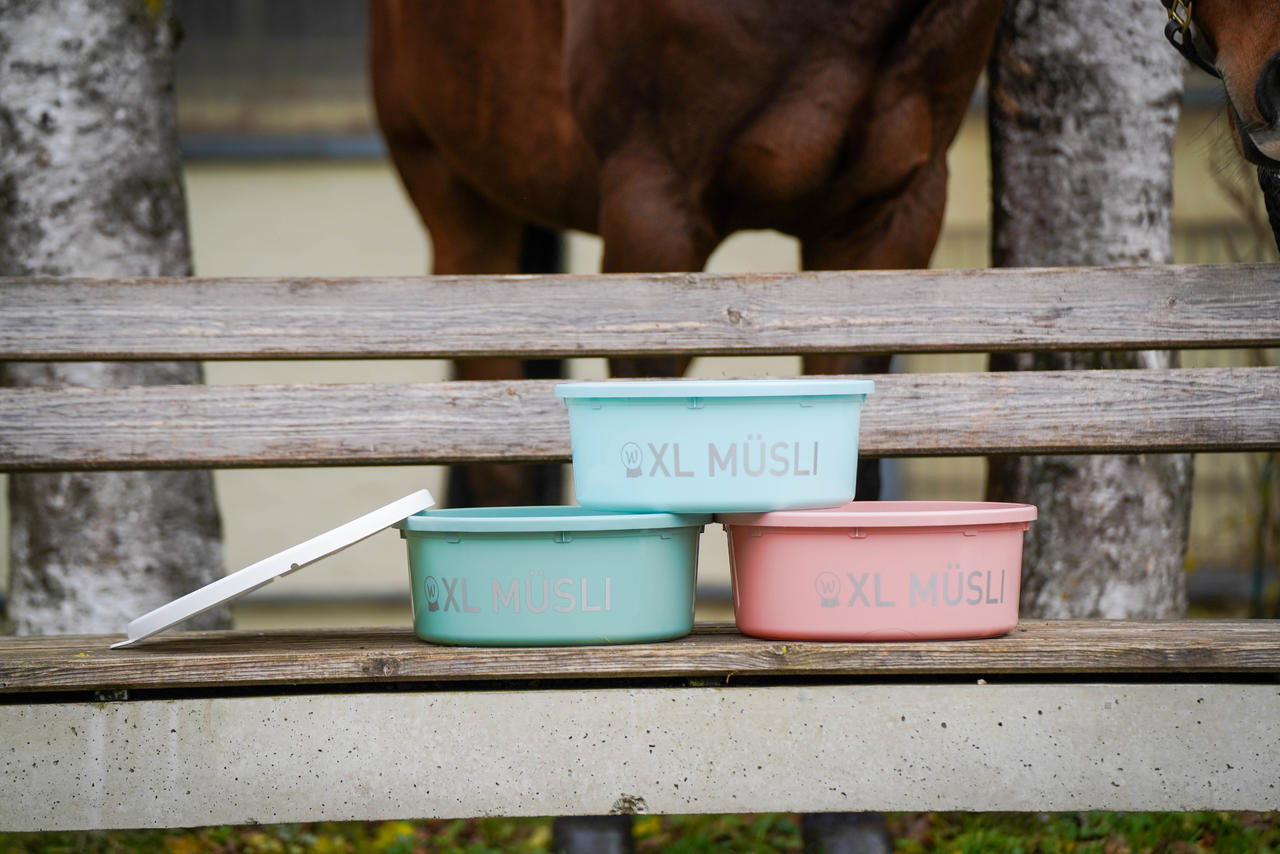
<point x="718" y="446"/>
<point x="548" y="576"/>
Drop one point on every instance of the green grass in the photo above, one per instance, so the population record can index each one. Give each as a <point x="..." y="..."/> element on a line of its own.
<point x="914" y="833"/>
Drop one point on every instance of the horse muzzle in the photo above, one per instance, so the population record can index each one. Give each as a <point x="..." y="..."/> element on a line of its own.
<point x="1258" y="146"/>
<point x="1269" y="183"/>
<point x="1260" y="143"/>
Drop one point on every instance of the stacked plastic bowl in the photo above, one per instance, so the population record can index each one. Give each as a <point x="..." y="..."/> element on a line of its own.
<point x="775" y="462"/>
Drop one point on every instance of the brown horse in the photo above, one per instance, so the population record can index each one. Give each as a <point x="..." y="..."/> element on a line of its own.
<point x="1239" y="42"/>
<point x="665" y="125"/>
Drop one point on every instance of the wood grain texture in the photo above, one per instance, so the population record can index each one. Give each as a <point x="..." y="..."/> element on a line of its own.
<point x="357" y="424"/>
<point x="319" y="657"/>
<point x="1235" y="305"/>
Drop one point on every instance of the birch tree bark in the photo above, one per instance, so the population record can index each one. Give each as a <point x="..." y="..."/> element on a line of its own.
<point x="1084" y="99"/>
<point x="90" y="186"/>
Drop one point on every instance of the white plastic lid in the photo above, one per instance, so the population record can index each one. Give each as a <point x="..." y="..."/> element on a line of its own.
<point x="255" y="575"/>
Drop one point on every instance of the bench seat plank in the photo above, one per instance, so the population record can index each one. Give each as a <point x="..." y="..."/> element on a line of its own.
<point x="1236" y="305"/>
<point x="1196" y="409"/>
<point x="322" y="657"/>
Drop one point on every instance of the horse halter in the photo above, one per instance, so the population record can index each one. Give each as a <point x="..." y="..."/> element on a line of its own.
<point x="1178" y="32"/>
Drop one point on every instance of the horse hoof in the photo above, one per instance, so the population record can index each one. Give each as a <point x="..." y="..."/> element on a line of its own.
<point x="592" y="834"/>
<point x="845" y="833"/>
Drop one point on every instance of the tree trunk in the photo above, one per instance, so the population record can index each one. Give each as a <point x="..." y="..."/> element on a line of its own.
<point x="90" y="185"/>
<point x="1084" y="99"/>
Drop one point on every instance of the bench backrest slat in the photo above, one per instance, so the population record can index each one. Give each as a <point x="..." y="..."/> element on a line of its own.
<point x="884" y="311"/>
<point x="908" y="415"/>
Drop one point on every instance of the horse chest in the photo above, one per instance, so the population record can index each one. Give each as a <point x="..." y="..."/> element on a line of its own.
<point x="823" y="150"/>
<point x="793" y="143"/>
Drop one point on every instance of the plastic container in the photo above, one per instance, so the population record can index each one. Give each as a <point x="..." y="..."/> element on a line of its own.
<point x="714" y="445"/>
<point x="878" y="570"/>
<point x="535" y="576"/>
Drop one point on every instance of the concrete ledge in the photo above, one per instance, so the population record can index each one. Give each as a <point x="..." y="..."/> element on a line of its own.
<point x="177" y="763"/>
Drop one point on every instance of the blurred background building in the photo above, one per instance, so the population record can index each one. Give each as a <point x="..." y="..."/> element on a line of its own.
<point x="286" y="176"/>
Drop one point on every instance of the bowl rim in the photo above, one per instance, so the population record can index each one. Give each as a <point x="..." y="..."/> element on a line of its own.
<point x="889" y="514"/>
<point x="641" y="389"/>
<point x="556" y="517"/>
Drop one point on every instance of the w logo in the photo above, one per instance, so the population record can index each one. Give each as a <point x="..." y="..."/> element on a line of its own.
<point x="827" y="586"/>
<point x="632" y="459"/>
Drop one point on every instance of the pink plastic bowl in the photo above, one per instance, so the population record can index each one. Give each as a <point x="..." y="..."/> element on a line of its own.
<point x="878" y="570"/>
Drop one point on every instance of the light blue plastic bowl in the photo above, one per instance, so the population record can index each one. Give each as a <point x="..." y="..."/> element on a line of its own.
<point x="543" y="576"/>
<point x="715" y="445"/>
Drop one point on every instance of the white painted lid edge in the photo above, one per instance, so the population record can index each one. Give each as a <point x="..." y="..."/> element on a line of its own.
<point x="255" y="575"/>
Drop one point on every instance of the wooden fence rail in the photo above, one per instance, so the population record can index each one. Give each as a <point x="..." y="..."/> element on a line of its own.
<point x="1234" y="305"/>
<point x="1200" y="409"/>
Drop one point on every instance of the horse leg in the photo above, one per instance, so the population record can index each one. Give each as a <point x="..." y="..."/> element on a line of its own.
<point x="649" y="226"/>
<point x="869" y="485"/>
<point x="845" y="833"/>
<point x="899" y="234"/>
<point x="471" y="235"/>
<point x="643" y="232"/>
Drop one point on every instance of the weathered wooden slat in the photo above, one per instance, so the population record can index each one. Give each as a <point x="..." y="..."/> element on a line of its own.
<point x="358" y="424"/>
<point x="902" y="311"/>
<point x="194" y="659"/>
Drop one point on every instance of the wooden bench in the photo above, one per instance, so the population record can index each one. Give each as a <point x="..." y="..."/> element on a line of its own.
<point x="194" y="728"/>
